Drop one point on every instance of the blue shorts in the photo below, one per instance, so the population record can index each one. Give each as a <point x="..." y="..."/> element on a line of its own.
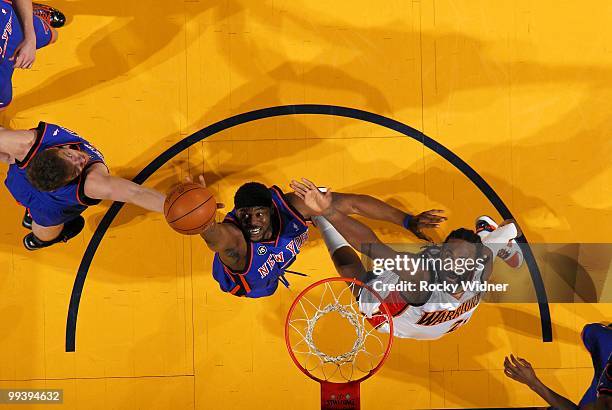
<point x="597" y="339"/>
<point x="11" y="35"/>
<point x="56" y="216"/>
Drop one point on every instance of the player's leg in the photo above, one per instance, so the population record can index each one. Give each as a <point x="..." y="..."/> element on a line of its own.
<point x="45" y="34"/>
<point x="511" y="254"/>
<point x="6" y="83"/>
<point x="46" y="233"/>
<point x="44" y="236"/>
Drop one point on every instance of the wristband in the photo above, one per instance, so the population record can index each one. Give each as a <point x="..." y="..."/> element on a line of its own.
<point x="406" y="222"/>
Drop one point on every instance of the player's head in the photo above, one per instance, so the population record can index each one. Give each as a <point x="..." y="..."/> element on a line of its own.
<point x="460" y="247"/>
<point x="253" y="204"/>
<point x="55" y="167"/>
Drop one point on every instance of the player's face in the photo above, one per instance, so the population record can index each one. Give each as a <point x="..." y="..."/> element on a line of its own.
<point x="458" y="251"/>
<point x="76" y="160"/>
<point x="255" y="222"/>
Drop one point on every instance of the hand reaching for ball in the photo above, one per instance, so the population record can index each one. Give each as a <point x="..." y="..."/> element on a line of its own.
<point x="202" y="181"/>
<point x="190" y="208"/>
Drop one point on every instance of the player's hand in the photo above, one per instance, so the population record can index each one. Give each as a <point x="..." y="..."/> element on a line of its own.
<point x="427" y="219"/>
<point x="25" y="54"/>
<point x="201" y="181"/>
<point x="520" y="370"/>
<point x="317" y="202"/>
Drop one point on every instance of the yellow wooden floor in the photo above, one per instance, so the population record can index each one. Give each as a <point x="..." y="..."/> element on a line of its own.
<point x="519" y="89"/>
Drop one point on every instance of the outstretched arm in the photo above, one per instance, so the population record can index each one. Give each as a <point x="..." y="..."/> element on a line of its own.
<point x="373" y="208"/>
<point x="101" y="185"/>
<point x="520" y="370"/>
<point x="362" y="238"/>
<point x="224" y="238"/>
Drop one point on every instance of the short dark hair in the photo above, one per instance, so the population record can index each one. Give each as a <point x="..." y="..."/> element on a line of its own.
<point x="47" y="171"/>
<point x="252" y="194"/>
<point x="465" y="234"/>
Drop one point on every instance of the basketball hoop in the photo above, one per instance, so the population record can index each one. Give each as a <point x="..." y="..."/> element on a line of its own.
<point x="339" y="369"/>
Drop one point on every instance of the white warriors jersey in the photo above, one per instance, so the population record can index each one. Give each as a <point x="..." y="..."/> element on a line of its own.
<point x="441" y="314"/>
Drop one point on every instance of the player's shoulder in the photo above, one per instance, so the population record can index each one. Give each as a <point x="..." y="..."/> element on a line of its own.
<point x="96" y="172"/>
<point x="290" y="204"/>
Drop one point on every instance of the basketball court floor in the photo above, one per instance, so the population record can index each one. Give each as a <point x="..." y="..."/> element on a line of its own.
<point x="519" y="90"/>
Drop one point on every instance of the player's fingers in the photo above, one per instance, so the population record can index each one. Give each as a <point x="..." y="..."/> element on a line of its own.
<point x="22" y="59"/>
<point x="434" y="211"/>
<point x="295" y="183"/>
<point x="437" y="218"/>
<point x="429" y="225"/>
<point x="300" y="195"/>
<point x="514" y="361"/>
<point x="19" y="61"/>
<point x="510" y="374"/>
<point x="16" y="53"/>
<point x="202" y="180"/>
<point x="309" y="184"/>
<point x="220" y="205"/>
<point x="298" y="188"/>
<point x="524" y="362"/>
<point x="430" y="218"/>
<point x="303" y="189"/>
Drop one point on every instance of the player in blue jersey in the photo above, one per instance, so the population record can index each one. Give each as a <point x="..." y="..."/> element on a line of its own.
<point x="24" y="27"/>
<point x="262" y="236"/>
<point x="55" y="174"/>
<point x="604" y="388"/>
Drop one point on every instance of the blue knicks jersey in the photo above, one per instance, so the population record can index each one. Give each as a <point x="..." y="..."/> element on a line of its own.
<point x="7" y="19"/>
<point x="266" y="260"/>
<point x="65" y="203"/>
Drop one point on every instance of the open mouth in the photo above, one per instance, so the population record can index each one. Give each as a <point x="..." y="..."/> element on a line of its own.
<point x="254" y="231"/>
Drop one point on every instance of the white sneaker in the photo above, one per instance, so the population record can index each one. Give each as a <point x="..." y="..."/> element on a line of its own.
<point x="511" y="253"/>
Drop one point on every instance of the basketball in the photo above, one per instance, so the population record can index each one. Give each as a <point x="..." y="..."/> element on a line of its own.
<point x="189" y="208"/>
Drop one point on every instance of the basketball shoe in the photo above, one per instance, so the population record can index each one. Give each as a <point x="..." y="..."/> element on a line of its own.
<point x="511" y="253"/>
<point x="26" y="222"/>
<point x="51" y="16"/>
<point x="70" y="230"/>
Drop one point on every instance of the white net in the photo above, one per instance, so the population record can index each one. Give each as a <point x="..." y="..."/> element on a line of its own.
<point x="321" y="337"/>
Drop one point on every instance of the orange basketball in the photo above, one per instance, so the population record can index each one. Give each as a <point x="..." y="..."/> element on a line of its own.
<point x="189" y="208"/>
